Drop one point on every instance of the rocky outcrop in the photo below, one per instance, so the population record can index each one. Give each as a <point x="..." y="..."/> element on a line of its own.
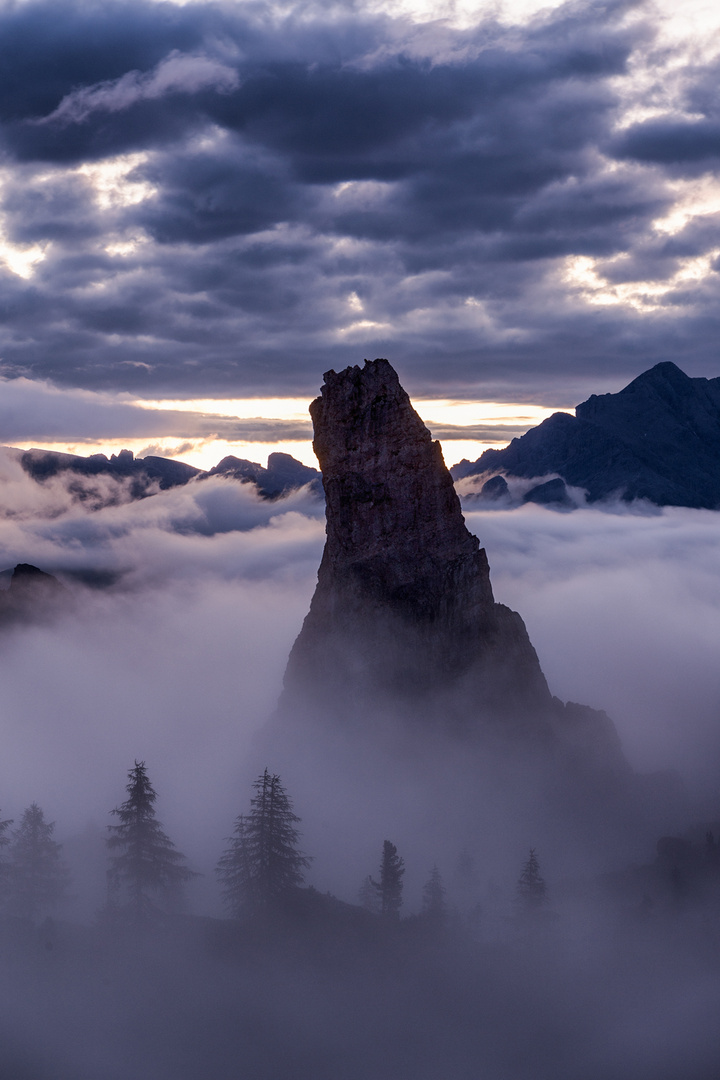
<point x="495" y="489"/>
<point x="658" y="439"/>
<point x="284" y="473"/>
<point x="412" y="700"/>
<point x="551" y="493"/>
<point x="403" y="618"/>
<point x="31" y="594"/>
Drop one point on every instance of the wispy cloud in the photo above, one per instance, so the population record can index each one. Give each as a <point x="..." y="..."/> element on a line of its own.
<point x="178" y="74"/>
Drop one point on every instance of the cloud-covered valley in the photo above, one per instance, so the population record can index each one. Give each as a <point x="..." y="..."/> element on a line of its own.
<point x="178" y="658"/>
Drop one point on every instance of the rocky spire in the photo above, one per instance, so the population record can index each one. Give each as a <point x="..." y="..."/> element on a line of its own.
<point x="403" y="610"/>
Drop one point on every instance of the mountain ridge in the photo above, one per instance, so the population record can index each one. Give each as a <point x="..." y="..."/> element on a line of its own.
<point x="656" y="439"/>
<point x="147" y="475"/>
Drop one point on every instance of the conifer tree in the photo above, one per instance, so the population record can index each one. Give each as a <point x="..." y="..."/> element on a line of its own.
<point x="148" y="870"/>
<point x="235" y="871"/>
<point x="262" y="863"/>
<point x="433" y="902"/>
<point x="465" y="878"/>
<point x="4" y="841"/>
<point x="37" y="876"/>
<point x="390" y="885"/>
<point x="531" y="889"/>
<point x="4" y="838"/>
<point x="368" y="896"/>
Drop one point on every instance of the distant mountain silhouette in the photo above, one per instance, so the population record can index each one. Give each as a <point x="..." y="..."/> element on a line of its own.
<point x="31" y="593"/>
<point x="146" y="474"/>
<point x="658" y="439"/>
<point x="283" y="473"/>
<point x="150" y="474"/>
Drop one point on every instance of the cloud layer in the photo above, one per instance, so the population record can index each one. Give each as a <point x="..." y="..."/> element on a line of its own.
<point x="225" y="198"/>
<point x="178" y="660"/>
<point x="34" y="409"/>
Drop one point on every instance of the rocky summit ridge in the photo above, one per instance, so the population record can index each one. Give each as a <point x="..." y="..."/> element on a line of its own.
<point x="658" y="439"/>
<point x="145" y="476"/>
<point x="403" y="618"/>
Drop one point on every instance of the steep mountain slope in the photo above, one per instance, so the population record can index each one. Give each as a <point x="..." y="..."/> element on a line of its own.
<point x="658" y="439"/>
<point x="403" y="623"/>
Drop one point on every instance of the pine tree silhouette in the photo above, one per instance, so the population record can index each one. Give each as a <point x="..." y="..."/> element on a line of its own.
<point x="433" y="902"/>
<point x="390" y="885"/>
<point x="262" y="863"/>
<point x="148" y="871"/>
<point x="531" y="889"/>
<point x="37" y="877"/>
<point x="4" y="841"/>
<point x="368" y="896"/>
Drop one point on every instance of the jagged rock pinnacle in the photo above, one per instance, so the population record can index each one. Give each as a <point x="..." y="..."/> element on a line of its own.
<point x="403" y="608"/>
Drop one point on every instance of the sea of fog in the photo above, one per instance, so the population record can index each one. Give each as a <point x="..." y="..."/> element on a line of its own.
<point x="179" y="659"/>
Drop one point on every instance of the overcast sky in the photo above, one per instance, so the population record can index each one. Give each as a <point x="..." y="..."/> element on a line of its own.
<point x="224" y="200"/>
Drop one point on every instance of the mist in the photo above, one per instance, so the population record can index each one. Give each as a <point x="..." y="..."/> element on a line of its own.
<point x="178" y="659"/>
<point x="169" y="647"/>
<point x="622" y="607"/>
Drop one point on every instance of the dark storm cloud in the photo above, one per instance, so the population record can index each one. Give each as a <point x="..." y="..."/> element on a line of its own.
<point x="48" y="50"/>
<point x="689" y="143"/>
<point x="671" y="143"/>
<point x="316" y="185"/>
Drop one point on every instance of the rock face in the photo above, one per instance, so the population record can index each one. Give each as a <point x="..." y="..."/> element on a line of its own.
<point x="658" y="439"/>
<point x="404" y="610"/>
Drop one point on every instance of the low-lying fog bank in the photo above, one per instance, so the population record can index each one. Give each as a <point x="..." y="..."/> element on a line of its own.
<point x="172" y="652"/>
<point x="180" y="660"/>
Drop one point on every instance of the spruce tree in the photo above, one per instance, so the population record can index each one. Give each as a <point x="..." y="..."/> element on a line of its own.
<point x="4" y="838"/>
<point x="262" y="864"/>
<point x="390" y="885"/>
<point x="235" y="871"/>
<point x="531" y="889"/>
<point x="147" y="871"/>
<point x="37" y="877"/>
<point x="433" y="902"/>
<point x="4" y="841"/>
<point x="368" y="896"/>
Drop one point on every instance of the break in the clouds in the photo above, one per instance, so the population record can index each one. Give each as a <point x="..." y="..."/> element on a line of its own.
<point x="35" y="410"/>
<point x="224" y="200"/>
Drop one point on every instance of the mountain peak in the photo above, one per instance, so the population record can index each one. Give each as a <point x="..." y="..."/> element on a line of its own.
<point x="403" y="610"/>
<point x="665" y="381"/>
<point x="664" y="372"/>
<point x="390" y="500"/>
<point x="656" y="439"/>
<point x="31" y="594"/>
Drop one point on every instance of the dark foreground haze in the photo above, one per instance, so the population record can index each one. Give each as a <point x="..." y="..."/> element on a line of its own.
<point x="173" y="651"/>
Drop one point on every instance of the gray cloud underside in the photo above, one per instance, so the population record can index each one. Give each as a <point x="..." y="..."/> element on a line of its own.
<point x="481" y="432"/>
<point x="36" y="410"/>
<point x="476" y="161"/>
